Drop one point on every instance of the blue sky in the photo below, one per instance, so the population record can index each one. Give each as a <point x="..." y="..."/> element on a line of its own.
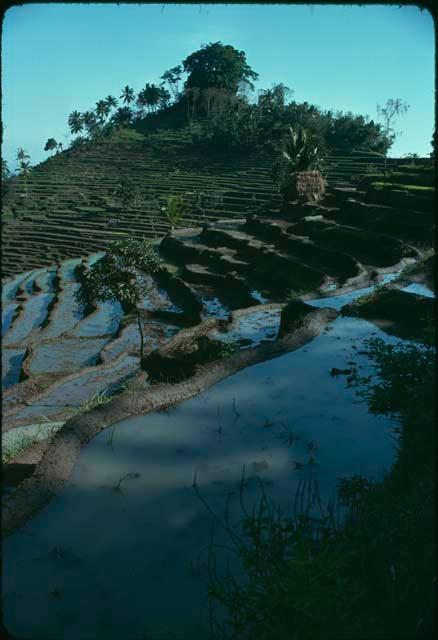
<point x="61" y="57"/>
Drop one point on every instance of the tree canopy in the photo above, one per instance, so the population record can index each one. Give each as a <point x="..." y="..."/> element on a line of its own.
<point x="217" y="65"/>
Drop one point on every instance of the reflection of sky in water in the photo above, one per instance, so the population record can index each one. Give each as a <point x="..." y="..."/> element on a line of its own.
<point x="214" y="308"/>
<point x="419" y="289"/>
<point x="258" y="296"/>
<point x="256" y="326"/>
<point x="103" y="321"/>
<point x="95" y="257"/>
<point x="336" y="302"/>
<point x="28" y="282"/>
<point x="7" y="315"/>
<point x="128" y="522"/>
<point x="33" y="314"/>
<point x="45" y="280"/>
<point x="67" y="268"/>
<point x="9" y="288"/>
<point x="74" y="392"/>
<point x="66" y="354"/>
<point x="154" y="334"/>
<point x="66" y="313"/>
<point x="11" y="365"/>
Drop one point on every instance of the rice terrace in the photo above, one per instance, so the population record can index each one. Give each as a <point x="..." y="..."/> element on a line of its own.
<point x="218" y="330"/>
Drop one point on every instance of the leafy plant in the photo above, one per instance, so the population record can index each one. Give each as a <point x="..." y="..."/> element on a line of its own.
<point x="299" y="153"/>
<point x="175" y="210"/>
<point x="120" y="276"/>
<point x="126" y="192"/>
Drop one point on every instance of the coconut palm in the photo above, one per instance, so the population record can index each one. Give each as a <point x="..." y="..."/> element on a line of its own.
<point x="90" y="123"/>
<point x="22" y="154"/>
<point x="111" y="101"/>
<point x="142" y="100"/>
<point x="102" y="109"/>
<point x="128" y="95"/>
<point x="75" y="122"/>
<point x="5" y="170"/>
<point x="122" y="116"/>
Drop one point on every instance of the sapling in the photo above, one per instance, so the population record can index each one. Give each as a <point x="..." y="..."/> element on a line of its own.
<point x="120" y="276"/>
<point x="394" y="107"/>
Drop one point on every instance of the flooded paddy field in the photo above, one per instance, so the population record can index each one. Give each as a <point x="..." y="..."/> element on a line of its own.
<point x="128" y="526"/>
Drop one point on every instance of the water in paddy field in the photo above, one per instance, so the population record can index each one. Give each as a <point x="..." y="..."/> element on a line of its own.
<point x="255" y="328"/>
<point x="75" y="391"/>
<point x="67" y="312"/>
<point x="7" y="315"/>
<point x="31" y="317"/>
<point x="94" y="257"/>
<point x="337" y="302"/>
<point x="12" y="360"/>
<point x="419" y="289"/>
<point x="66" y="355"/>
<point x="105" y="320"/>
<point x="123" y="533"/>
<point x="214" y="308"/>
<point x="9" y="288"/>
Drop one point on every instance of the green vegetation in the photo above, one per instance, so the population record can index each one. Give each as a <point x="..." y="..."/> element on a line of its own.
<point x="96" y="401"/>
<point x="219" y="66"/>
<point x="175" y="210"/>
<point x="299" y="155"/>
<point x="370" y="575"/>
<point x="406" y="187"/>
<point x="21" y="442"/>
<point x="120" y="276"/>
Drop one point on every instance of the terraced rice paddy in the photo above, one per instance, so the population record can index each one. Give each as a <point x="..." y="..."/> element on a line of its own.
<point x="70" y="208"/>
<point x="126" y="533"/>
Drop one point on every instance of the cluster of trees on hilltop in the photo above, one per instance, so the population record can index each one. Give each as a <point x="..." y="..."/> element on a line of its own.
<point x="217" y="95"/>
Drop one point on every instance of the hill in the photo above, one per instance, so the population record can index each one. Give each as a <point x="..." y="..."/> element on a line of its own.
<point x="67" y="205"/>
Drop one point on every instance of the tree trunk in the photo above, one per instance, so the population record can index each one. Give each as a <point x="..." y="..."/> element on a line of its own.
<point x="141" y="335"/>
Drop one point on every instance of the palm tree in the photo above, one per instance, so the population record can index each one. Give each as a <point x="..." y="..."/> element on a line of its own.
<point x="111" y="101"/>
<point x="142" y="100"/>
<point x="102" y="110"/>
<point x="90" y="122"/>
<point x="75" y="122"/>
<point x="128" y="95"/>
<point x="122" y="116"/>
<point x="22" y="154"/>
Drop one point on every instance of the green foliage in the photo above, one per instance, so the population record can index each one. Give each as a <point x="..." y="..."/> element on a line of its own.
<point x="348" y="132"/>
<point x="50" y="144"/>
<point x="176" y="208"/>
<point x="117" y="276"/>
<point x="406" y="187"/>
<point x="299" y="154"/>
<point x="75" y="122"/>
<point x="173" y="77"/>
<point x="97" y="400"/>
<point x="126" y="192"/>
<point x="128" y="95"/>
<point x="217" y="65"/>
